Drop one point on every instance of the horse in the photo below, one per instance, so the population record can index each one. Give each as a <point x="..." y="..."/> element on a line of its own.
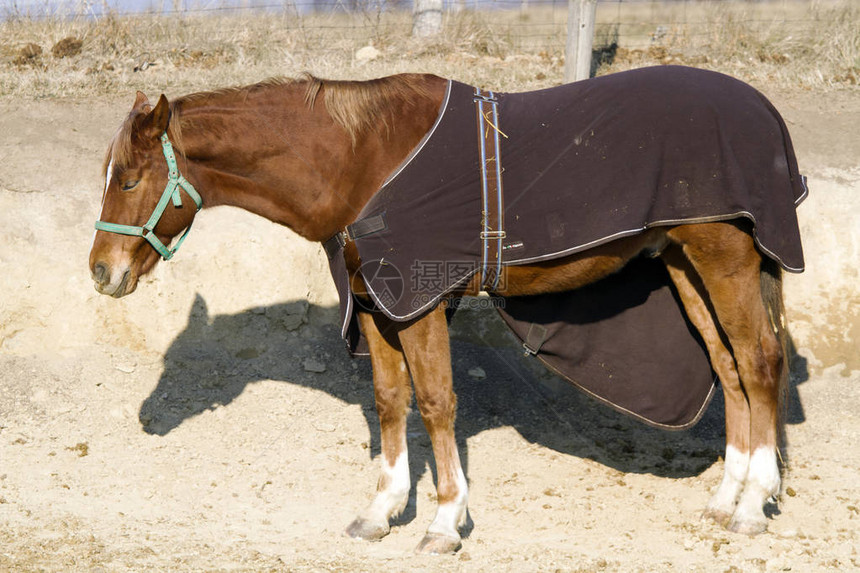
<point x="310" y="154"/>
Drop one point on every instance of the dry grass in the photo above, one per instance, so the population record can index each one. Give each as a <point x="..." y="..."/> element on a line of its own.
<point x="811" y="44"/>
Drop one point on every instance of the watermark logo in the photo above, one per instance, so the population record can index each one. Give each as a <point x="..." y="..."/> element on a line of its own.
<point x="426" y="282"/>
<point x="387" y="283"/>
<point x="461" y="303"/>
<point x="436" y="276"/>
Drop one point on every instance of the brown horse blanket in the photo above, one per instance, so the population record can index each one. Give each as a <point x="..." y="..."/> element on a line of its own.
<point x="581" y="165"/>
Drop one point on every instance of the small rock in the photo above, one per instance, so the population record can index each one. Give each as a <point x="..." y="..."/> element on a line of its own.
<point x="126" y="368"/>
<point x="248" y="353"/>
<point x="291" y="316"/>
<point x="312" y="365"/>
<point x="477" y="373"/>
<point x="81" y="448"/>
<point x="366" y="54"/>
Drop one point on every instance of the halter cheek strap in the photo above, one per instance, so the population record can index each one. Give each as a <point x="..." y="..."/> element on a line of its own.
<point x="175" y="182"/>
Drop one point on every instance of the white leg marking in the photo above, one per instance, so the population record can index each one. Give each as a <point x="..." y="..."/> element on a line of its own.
<point x="762" y="482"/>
<point x="764" y="470"/>
<point x="734" y="475"/>
<point x="391" y="500"/>
<point x="452" y="515"/>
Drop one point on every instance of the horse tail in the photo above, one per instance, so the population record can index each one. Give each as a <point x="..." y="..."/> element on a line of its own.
<point x="771" y="294"/>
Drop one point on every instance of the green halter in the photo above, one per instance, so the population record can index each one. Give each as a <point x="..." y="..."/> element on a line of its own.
<point x="171" y="192"/>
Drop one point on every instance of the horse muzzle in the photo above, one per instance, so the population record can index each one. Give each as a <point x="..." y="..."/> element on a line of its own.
<point x="114" y="282"/>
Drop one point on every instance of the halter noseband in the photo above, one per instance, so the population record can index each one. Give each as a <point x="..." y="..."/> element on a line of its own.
<point x="175" y="180"/>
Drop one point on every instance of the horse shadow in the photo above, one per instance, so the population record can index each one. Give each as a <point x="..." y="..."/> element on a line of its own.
<point x="213" y="360"/>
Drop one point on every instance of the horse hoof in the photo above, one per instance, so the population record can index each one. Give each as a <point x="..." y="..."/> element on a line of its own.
<point x="367" y="530"/>
<point x="438" y="544"/>
<point x="718" y="516"/>
<point x="747" y="527"/>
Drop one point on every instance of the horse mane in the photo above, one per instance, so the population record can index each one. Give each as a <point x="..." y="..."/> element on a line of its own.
<point x="357" y="106"/>
<point x="361" y="105"/>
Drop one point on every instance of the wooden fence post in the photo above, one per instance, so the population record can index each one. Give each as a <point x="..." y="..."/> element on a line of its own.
<point x="427" y="18"/>
<point x="580" y="37"/>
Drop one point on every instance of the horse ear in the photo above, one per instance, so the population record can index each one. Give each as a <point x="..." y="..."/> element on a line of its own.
<point x="140" y="101"/>
<point x="199" y="315"/>
<point x="155" y="123"/>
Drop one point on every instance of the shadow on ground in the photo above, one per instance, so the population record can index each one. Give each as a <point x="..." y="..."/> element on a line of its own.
<point x="216" y="357"/>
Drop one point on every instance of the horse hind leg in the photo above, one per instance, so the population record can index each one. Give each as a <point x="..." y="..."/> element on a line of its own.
<point x="730" y="267"/>
<point x="763" y="478"/>
<point x="694" y="300"/>
<point x="393" y="394"/>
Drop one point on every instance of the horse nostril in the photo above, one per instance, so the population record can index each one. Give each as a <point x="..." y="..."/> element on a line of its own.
<point x="100" y="272"/>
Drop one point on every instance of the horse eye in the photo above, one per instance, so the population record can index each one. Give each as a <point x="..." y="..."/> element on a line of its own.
<point x="129" y="185"/>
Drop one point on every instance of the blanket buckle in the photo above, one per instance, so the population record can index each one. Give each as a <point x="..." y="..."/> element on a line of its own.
<point x="493" y="234"/>
<point x="489" y="98"/>
<point x="335" y="243"/>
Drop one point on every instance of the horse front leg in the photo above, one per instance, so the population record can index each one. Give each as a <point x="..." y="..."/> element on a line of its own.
<point x="427" y="349"/>
<point x="393" y="394"/>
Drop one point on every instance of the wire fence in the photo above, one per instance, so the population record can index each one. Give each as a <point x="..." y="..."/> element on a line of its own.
<point x="516" y="25"/>
<point x="520" y="43"/>
<point x="633" y="20"/>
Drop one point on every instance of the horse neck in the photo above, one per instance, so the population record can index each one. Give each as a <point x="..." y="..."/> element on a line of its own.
<point x="271" y="153"/>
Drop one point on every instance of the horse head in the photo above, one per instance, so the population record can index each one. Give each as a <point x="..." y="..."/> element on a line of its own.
<point x="138" y="221"/>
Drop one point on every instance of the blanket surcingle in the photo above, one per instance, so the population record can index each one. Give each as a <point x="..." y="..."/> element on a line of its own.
<point x="581" y="165"/>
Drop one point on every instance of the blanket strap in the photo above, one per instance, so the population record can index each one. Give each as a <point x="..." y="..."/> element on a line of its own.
<point x="492" y="216"/>
<point x="535" y="338"/>
<point x="357" y="230"/>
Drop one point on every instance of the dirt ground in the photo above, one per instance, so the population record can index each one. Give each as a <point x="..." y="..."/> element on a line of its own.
<point x="214" y="421"/>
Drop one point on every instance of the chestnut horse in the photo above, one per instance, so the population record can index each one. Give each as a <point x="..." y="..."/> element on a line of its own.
<point x="309" y="154"/>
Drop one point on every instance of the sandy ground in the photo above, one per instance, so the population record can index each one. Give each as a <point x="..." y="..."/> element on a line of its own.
<point x="187" y="427"/>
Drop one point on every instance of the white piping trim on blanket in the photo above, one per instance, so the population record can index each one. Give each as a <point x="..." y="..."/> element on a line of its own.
<point x="424" y="307"/>
<point x="705" y="403"/>
<point x="442" y="109"/>
<point x="569" y="251"/>
<point x="346" y="319"/>
<point x="664" y="223"/>
<point x="803" y="195"/>
<point x="573" y="250"/>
